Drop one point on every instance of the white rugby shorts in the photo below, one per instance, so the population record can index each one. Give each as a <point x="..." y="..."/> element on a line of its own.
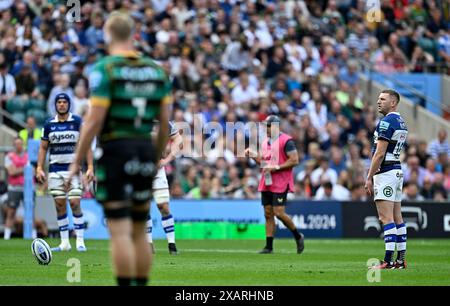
<point x="56" y="181"/>
<point x="160" y="187"/>
<point x="388" y="185"/>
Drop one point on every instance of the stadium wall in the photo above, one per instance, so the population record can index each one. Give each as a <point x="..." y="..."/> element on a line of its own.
<point x="7" y="135"/>
<point x="445" y="93"/>
<point x="445" y="85"/>
<point x="420" y="121"/>
<point x="235" y="219"/>
<point x="428" y="84"/>
<point x="422" y="219"/>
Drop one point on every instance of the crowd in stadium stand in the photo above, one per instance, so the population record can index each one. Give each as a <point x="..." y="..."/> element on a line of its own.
<point x="242" y="61"/>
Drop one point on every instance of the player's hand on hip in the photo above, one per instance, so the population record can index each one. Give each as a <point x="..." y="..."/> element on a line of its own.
<point x="40" y="176"/>
<point x="369" y="187"/>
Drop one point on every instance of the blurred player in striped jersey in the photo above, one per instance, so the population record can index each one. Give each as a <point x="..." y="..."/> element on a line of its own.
<point x="161" y="192"/>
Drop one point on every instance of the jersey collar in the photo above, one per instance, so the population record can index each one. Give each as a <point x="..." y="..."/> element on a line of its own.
<point x="130" y="53"/>
<point x="272" y="140"/>
<point x="68" y="118"/>
<point x="395" y="113"/>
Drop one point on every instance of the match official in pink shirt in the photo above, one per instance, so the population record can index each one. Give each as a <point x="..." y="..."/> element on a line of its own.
<point x="279" y="155"/>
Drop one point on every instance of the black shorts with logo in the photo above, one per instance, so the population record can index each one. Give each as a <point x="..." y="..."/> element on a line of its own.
<point x="125" y="171"/>
<point x="14" y="199"/>
<point x="274" y="199"/>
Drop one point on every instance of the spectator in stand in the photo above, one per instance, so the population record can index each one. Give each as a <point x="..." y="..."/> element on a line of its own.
<point x="176" y="192"/>
<point x="94" y="34"/>
<point x="249" y="190"/>
<point x="413" y="166"/>
<point x="446" y="182"/>
<point x="358" y="41"/>
<point x="276" y="63"/>
<point x="300" y="192"/>
<point x="330" y="191"/>
<point x="203" y="191"/>
<point x="418" y="13"/>
<point x="7" y="85"/>
<point x="439" y="145"/>
<point x="358" y="194"/>
<point x="411" y="192"/>
<point x="430" y="168"/>
<point x="337" y="160"/>
<point x="80" y="100"/>
<point x="384" y="61"/>
<point x="62" y="87"/>
<point x="440" y="196"/>
<point x="236" y="56"/>
<point x="189" y="180"/>
<point x="438" y="186"/>
<point x="28" y="59"/>
<point x="444" y="46"/>
<point x="350" y="75"/>
<point x="243" y="93"/>
<point x="422" y="153"/>
<point x="27" y="85"/>
<point x="30" y="132"/>
<point x="427" y="191"/>
<point x="442" y="161"/>
<point x="323" y="170"/>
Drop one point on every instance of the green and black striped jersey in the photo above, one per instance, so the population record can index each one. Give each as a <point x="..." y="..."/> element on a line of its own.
<point x="133" y="88"/>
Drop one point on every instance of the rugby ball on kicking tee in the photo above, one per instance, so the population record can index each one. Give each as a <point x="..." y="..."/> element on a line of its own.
<point x="41" y="251"/>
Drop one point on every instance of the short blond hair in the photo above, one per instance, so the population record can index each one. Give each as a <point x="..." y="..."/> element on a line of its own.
<point x="118" y="27"/>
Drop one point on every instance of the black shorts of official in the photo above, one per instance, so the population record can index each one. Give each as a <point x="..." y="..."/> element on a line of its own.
<point x="125" y="173"/>
<point x="273" y="198"/>
<point x="14" y="199"/>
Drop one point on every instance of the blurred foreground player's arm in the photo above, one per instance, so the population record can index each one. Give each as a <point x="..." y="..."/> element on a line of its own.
<point x="89" y="175"/>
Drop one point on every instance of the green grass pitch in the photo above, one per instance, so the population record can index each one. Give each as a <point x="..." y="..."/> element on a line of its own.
<point x="236" y="262"/>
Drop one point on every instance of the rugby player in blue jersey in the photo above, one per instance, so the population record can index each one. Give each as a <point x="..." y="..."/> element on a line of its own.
<point x="385" y="178"/>
<point x="60" y="136"/>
